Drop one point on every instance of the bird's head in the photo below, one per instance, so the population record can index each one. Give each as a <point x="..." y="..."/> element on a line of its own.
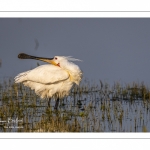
<point x="58" y="61"/>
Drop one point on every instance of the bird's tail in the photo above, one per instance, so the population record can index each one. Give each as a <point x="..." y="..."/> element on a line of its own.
<point x="21" y="77"/>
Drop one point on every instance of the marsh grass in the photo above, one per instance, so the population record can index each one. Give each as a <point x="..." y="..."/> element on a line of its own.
<point x="88" y="108"/>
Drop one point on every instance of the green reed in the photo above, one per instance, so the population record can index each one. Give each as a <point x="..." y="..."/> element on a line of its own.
<point x="89" y="108"/>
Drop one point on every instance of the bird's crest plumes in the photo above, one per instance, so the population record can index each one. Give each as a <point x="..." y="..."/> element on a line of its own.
<point x="70" y="58"/>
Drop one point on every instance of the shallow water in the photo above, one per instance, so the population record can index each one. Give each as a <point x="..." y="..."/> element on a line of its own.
<point x="93" y="111"/>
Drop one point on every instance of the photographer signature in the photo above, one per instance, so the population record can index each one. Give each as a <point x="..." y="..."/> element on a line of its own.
<point x="12" y="123"/>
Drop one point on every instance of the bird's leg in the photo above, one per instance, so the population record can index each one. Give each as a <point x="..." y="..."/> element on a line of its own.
<point x="56" y="104"/>
<point x="49" y="101"/>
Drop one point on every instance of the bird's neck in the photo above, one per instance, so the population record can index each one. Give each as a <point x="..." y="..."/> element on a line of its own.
<point x="74" y="72"/>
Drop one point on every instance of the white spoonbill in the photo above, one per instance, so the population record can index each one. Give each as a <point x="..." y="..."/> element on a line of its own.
<point x="53" y="80"/>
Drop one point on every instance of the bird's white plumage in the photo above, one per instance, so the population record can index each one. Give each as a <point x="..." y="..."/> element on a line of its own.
<point x="51" y="80"/>
<point x="45" y="74"/>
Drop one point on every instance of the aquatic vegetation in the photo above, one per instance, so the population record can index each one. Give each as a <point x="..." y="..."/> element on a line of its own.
<point x="88" y="108"/>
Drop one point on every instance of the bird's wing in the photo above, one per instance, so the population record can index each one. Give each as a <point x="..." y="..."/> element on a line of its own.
<point x="46" y="74"/>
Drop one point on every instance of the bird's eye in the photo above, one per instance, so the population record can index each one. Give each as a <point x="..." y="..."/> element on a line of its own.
<point x="56" y="58"/>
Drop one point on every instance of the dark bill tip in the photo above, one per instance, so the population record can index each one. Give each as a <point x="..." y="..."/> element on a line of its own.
<point x="23" y="56"/>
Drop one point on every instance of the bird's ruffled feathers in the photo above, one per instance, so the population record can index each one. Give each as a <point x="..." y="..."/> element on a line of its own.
<point x="70" y="58"/>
